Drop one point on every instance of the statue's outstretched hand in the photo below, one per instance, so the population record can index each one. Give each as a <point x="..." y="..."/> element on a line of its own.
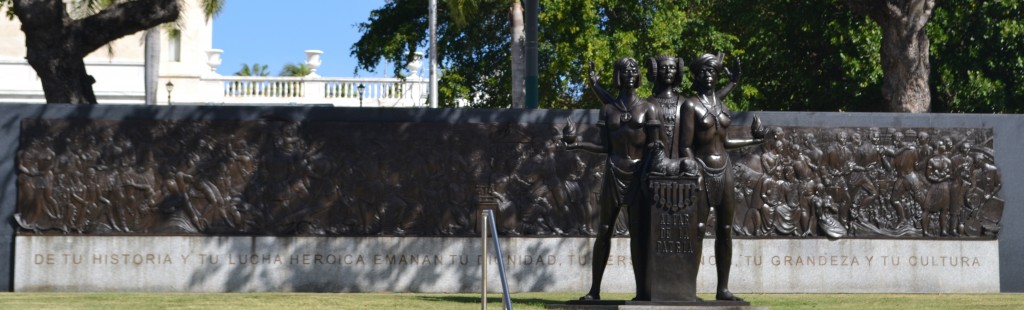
<point x="593" y="76"/>
<point x="734" y="76"/>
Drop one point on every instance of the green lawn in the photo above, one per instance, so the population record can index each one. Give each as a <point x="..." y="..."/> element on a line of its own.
<point x="306" y="301"/>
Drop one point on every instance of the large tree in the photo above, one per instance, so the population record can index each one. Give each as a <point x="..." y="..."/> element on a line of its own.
<point x="475" y="59"/>
<point x="801" y="55"/>
<point x="904" y="50"/>
<point x="56" y="43"/>
<point x="798" y="55"/>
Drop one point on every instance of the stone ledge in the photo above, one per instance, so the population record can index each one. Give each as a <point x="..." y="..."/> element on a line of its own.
<point x="417" y="264"/>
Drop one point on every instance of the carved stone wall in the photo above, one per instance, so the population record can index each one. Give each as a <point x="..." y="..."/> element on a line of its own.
<point x="281" y="177"/>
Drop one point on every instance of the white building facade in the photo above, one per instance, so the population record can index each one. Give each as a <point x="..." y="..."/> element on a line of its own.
<point x="188" y="64"/>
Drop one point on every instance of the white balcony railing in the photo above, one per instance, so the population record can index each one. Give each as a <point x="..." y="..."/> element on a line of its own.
<point x="377" y="92"/>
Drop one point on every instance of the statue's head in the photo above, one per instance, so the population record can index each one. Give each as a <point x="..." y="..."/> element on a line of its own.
<point x="705" y="71"/>
<point x="841" y="137"/>
<point x="665" y="70"/>
<point x="944" y="144"/>
<point x="626" y="73"/>
<point x="809" y="138"/>
<point x="979" y="159"/>
<point x="909" y="137"/>
<point x="965" y="148"/>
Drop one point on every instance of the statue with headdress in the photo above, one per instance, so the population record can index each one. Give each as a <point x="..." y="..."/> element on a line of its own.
<point x="704" y="137"/>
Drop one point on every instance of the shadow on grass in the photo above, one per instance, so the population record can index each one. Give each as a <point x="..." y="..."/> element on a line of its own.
<point x="490" y="298"/>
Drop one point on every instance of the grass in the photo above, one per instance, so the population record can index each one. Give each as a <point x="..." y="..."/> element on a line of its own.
<point x="307" y="301"/>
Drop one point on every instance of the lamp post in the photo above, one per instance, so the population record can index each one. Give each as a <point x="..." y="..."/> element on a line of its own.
<point x="170" y="87"/>
<point x="360" y="89"/>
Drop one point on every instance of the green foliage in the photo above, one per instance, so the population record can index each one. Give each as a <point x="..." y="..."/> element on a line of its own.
<point x="978" y="56"/>
<point x="291" y="69"/>
<point x="804" y="55"/>
<point x="476" y="57"/>
<point x="212" y="8"/>
<point x="796" y="54"/>
<point x="254" y="70"/>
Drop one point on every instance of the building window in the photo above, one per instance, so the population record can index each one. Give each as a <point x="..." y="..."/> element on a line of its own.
<point x="174" y="45"/>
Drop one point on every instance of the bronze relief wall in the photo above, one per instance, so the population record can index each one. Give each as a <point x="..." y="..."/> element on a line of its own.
<point x="281" y="177"/>
<point x="870" y="182"/>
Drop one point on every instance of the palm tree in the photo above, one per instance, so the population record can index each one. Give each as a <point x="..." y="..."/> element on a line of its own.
<point x="249" y="87"/>
<point x="299" y="70"/>
<point x="254" y="70"/>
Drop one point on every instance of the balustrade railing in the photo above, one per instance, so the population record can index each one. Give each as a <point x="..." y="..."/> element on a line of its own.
<point x="377" y="92"/>
<point x="263" y="87"/>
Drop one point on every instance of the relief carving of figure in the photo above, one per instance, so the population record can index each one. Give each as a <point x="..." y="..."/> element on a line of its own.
<point x="939" y="173"/>
<point x="982" y="204"/>
<point x="41" y="210"/>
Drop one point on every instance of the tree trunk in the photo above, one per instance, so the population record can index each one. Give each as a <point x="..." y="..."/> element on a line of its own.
<point x="905" y="65"/>
<point x="518" y="59"/>
<point x="152" y="64"/>
<point x="56" y="44"/>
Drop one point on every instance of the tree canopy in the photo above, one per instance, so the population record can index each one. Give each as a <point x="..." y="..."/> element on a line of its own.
<point x="978" y="56"/>
<point x="796" y="54"/>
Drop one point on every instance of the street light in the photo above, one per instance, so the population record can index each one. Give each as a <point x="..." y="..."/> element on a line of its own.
<point x="170" y="87"/>
<point x="360" y="89"/>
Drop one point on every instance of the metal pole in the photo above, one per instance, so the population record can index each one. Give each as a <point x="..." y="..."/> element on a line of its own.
<point x="433" y="53"/>
<point x="506" y="300"/>
<point x="483" y="237"/>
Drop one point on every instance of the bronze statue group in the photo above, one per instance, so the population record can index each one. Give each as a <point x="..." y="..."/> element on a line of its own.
<point x="688" y="135"/>
<point x="801" y="182"/>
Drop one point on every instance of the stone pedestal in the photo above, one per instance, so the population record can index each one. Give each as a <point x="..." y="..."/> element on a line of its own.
<point x="674" y="238"/>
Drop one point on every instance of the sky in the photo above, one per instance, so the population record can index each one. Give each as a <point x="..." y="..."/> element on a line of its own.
<point x="275" y="32"/>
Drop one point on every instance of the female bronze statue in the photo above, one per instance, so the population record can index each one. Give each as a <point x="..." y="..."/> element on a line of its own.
<point x="625" y="125"/>
<point x="665" y="72"/>
<point x="704" y="137"/>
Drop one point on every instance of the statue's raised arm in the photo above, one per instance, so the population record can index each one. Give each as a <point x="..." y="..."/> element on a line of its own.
<point x="595" y="85"/>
